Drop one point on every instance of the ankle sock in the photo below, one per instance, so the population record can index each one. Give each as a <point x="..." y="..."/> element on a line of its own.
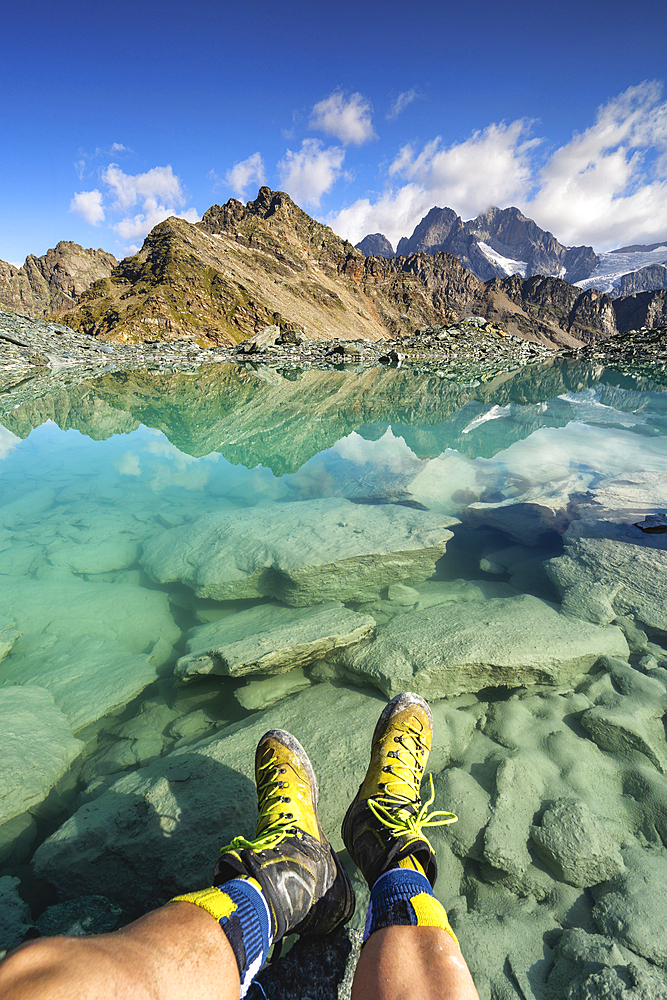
<point x="241" y="910"/>
<point x="405" y="896"/>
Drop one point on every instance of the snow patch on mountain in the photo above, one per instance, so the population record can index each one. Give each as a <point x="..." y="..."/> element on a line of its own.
<point x="508" y="265"/>
<point x="615" y="264"/>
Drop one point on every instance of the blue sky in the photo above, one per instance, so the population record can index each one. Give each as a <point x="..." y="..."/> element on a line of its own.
<point x="117" y="115"/>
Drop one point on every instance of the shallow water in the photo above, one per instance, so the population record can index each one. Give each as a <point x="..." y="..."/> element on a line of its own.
<point x="92" y="474"/>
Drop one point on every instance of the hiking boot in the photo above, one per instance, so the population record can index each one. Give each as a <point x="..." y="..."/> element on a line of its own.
<point x="306" y="887"/>
<point x="383" y="826"/>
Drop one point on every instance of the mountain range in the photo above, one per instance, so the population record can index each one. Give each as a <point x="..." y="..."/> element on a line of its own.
<point x="503" y="242"/>
<point x="243" y="267"/>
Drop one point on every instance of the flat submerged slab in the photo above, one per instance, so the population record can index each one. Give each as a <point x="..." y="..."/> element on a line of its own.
<point x="450" y="649"/>
<point x="301" y="553"/>
<point x="270" y="639"/>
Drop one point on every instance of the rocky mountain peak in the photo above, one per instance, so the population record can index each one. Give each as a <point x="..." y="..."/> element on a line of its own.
<point x="375" y="245"/>
<point x="52" y="283"/>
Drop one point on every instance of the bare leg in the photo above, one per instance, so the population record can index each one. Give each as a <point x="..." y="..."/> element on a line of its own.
<point x="412" y="963"/>
<point x="176" y="953"/>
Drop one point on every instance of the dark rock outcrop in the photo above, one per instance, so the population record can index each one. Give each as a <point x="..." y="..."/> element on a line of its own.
<point x="509" y="234"/>
<point x="646" y="279"/>
<point x="51" y="284"/>
<point x="375" y="245"/>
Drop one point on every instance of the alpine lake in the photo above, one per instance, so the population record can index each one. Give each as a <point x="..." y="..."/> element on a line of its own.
<point x="191" y="558"/>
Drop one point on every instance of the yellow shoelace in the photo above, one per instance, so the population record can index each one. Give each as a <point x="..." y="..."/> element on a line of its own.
<point x="389" y="809"/>
<point x="279" y="826"/>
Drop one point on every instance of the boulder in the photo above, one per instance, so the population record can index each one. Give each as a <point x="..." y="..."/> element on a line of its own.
<point x="88" y="678"/>
<point x="68" y="608"/>
<point x="634" y="904"/>
<point x="266" y="337"/>
<point x="448" y="649"/>
<point x="158" y="831"/>
<point x="271" y="639"/>
<point x="576" y="846"/>
<point x="36" y="748"/>
<point x="301" y="553"/>
<point x="631" y="576"/>
<point x="15" y="916"/>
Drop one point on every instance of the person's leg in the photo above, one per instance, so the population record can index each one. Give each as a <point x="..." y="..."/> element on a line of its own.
<point x="409" y="950"/>
<point x="211" y="942"/>
<point x="177" y="952"/>
<point x="400" y="962"/>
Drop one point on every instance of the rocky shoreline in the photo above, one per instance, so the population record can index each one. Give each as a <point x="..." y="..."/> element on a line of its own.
<point x="470" y="348"/>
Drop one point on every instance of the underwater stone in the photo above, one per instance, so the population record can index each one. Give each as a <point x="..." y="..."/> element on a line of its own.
<point x="271" y="639"/>
<point x="36" y="748"/>
<point x="450" y="648"/>
<point x="88" y="678"/>
<point x="9" y="633"/>
<point x="633" y="576"/>
<point x="577" y="846"/>
<point x="15" y="916"/>
<point x="134" y="617"/>
<point x="81" y="916"/>
<point x="100" y="557"/>
<point x="267" y="691"/>
<point x="301" y="553"/>
<point x="633" y="905"/>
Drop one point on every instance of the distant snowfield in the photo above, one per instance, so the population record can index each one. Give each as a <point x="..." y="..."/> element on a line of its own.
<point x="614" y="265"/>
<point x="508" y="265"/>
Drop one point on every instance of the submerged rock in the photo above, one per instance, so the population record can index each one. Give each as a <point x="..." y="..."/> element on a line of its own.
<point x="68" y="608"/>
<point x="15" y="916"/>
<point x="271" y="639"/>
<point x="301" y="553"/>
<point x="632" y="905"/>
<point x="267" y="691"/>
<point x="633" y="577"/>
<point x="158" y="830"/>
<point x="575" y="845"/>
<point x="36" y="748"/>
<point x="87" y="677"/>
<point x="449" y="648"/>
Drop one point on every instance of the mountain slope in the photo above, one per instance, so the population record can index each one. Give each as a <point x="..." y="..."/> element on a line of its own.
<point x="51" y="284"/>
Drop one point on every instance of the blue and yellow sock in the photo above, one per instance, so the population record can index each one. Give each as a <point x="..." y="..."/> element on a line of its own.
<point x="241" y="910"/>
<point x="404" y="896"/>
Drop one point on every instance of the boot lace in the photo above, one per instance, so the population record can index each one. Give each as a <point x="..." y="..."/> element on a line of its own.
<point x="277" y="825"/>
<point x="399" y="813"/>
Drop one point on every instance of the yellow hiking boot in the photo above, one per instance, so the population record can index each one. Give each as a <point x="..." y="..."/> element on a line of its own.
<point x="383" y="826"/>
<point x="306" y="887"/>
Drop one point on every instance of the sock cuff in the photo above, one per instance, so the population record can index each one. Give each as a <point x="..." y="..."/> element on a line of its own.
<point x="403" y="896"/>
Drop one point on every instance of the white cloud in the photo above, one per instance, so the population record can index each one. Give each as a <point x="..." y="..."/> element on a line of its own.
<point x="158" y="183"/>
<point x="88" y="204"/>
<point x="312" y="171"/>
<point x="139" y="225"/>
<point x="492" y="167"/>
<point x="158" y="193"/>
<point x="401" y="103"/>
<point x="245" y="173"/>
<point x="608" y="185"/>
<point x="349" y="121"/>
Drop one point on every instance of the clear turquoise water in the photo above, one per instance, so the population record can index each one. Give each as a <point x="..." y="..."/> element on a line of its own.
<point x="90" y="472"/>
